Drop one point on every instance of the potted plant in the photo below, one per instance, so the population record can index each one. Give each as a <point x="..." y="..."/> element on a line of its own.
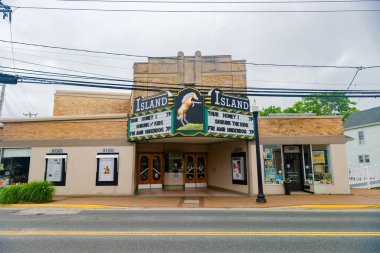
<point x="287" y="182"/>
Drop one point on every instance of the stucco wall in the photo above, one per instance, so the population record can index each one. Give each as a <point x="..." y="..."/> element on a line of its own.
<point x="219" y="165"/>
<point x="81" y="170"/>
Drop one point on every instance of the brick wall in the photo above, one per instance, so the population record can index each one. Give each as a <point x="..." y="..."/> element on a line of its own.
<point x="271" y="127"/>
<point x="70" y="105"/>
<point x="65" y="130"/>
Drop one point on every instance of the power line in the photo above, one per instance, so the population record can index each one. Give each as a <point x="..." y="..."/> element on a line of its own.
<point x="176" y="59"/>
<point x="356" y="73"/>
<point x="196" y="11"/>
<point x="222" y="2"/>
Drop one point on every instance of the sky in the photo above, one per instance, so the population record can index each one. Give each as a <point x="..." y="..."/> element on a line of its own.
<point x="349" y="38"/>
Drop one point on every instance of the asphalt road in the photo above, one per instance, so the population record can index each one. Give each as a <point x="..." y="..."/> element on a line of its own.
<point x="67" y="230"/>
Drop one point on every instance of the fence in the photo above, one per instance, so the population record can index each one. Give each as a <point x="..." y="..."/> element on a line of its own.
<point x="364" y="176"/>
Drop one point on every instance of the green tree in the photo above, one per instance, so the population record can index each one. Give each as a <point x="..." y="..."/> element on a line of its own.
<point x="323" y="105"/>
<point x="265" y="111"/>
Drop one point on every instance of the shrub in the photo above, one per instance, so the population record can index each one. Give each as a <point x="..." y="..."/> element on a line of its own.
<point x="34" y="192"/>
<point x="10" y="194"/>
<point x="37" y="192"/>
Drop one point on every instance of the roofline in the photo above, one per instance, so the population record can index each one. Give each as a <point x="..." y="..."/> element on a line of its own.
<point x="113" y="95"/>
<point x="365" y="125"/>
<point x="65" y="118"/>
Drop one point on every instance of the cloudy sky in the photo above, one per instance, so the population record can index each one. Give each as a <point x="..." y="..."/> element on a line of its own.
<point x="349" y="38"/>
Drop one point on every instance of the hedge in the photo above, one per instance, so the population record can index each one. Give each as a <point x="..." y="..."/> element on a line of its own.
<point x="34" y="192"/>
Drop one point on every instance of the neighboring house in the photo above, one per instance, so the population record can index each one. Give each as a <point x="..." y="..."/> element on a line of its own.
<point x="364" y="128"/>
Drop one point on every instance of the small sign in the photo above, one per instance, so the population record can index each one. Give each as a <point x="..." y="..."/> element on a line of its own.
<point x="108" y="150"/>
<point x="151" y="103"/>
<point x="57" y="150"/>
<point x="231" y="102"/>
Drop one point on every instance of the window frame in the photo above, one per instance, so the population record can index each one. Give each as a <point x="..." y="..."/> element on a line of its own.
<point x="115" y="180"/>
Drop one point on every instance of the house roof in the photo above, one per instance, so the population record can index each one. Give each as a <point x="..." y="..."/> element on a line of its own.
<point x="366" y="117"/>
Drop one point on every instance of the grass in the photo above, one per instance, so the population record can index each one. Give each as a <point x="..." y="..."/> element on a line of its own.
<point x="190" y="126"/>
<point x="34" y="192"/>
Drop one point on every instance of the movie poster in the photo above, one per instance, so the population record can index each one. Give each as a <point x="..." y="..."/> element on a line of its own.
<point x="238" y="168"/>
<point x="54" y="169"/>
<point x="106" y="169"/>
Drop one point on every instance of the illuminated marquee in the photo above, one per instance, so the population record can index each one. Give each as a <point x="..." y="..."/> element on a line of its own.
<point x="190" y="113"/>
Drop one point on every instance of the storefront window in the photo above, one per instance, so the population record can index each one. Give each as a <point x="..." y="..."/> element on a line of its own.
<point x="14" y="166"/>
<point x="273" y="164"/>
<point x="321" y="164"/>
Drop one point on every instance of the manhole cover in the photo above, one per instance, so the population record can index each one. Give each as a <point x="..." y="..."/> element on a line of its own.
<point x="46" y="212"/>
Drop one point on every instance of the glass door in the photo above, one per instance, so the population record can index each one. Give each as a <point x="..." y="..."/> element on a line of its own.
<point x="195" y="169"/>
<point x="293" y="170"/>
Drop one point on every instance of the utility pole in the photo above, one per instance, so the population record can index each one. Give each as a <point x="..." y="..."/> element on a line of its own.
<point x="30" y="114"/>
<point x="5" y="79"/>
<point x="7" y="13"/>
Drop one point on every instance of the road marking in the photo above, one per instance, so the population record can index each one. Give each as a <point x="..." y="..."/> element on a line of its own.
<point x="187" y="233"/>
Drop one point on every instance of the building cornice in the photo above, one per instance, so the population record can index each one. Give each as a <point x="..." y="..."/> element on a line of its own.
<point x="122" y="116"/>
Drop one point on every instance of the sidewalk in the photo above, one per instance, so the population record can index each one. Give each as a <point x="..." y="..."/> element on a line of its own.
<point x="360" y="198"/>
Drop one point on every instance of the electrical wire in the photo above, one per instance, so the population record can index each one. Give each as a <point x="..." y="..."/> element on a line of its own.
<point x="175" y="59"/>
<point x="195" y="11"/>
<point x="222" y="2"/>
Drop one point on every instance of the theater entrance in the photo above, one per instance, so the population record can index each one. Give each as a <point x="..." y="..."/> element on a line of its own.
<point x="171" y="171"/>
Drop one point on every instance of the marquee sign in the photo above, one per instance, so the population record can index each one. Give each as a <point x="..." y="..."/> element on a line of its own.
<point x="190" y="113"/>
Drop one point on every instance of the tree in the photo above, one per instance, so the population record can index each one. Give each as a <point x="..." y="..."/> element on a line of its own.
<point x="271" y="109"/>
<point x="322" y="105"/>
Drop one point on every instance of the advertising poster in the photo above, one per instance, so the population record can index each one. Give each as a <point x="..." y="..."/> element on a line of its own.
<point x="237" y="168"/>
<point x="318" y="157"/>
<point x="270" y="175"/>
<point x="189" y="110"/>
<point x="54" y="170"/>
<point x="106" y="169"/>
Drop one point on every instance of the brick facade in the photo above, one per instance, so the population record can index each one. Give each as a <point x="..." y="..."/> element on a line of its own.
<point x="90" y="103"/>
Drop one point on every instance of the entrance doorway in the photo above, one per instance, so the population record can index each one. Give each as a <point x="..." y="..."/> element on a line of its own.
<point x="195" y="170"/>
<point x="150" y="170"/>
<point x="293" y="167"/>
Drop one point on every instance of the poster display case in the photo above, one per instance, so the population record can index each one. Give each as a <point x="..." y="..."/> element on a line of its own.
<point x="239" y="169"/>
<point x="107" y="169"/>
<point x="55" y="168"/>
<point x="273" y="164"/>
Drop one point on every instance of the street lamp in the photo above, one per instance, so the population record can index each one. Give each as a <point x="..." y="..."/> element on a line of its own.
<point x="260" y="196"/>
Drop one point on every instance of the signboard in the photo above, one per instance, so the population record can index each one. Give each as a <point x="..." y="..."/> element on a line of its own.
<point x="54" y="169"/>
<point x="318" y="157"/>
<point x="229" y="123"/>
<point x="193" y="114"/>
<point x="148" y="104"/>
<point x="231" y="102"/>
<point x="106" y="169"/>
<point x="152" y="124"/>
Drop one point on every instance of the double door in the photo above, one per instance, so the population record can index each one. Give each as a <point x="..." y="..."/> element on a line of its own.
<point x="195" y="170"/>
<point x="150" y="170"/>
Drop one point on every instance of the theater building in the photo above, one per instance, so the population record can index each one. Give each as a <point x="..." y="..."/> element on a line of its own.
<point x="199" y="136"/>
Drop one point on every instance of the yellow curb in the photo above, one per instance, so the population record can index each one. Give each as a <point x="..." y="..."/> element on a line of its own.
<point x="79" y="206"/>
<point x="337" y="206"/>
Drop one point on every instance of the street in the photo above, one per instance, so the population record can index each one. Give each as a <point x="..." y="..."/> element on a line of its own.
<point x="184" y="230"/>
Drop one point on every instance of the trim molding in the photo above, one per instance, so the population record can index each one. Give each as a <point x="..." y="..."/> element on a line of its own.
<point x="65" y="143"/>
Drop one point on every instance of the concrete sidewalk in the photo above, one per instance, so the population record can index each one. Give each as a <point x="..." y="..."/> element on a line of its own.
<point x="360" y="198"/>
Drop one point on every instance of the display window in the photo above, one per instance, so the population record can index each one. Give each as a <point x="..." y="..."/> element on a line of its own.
<point x="55" y="168"/>
<point x="14" y="166"/>
<point x="107" y="169"/>
<point x="321" y="164"/>
<point x="273" y="171"/>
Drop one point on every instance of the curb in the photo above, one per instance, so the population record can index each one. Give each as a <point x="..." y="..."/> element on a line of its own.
<point x="77" y="206"/>
<point x="336" y="206"/>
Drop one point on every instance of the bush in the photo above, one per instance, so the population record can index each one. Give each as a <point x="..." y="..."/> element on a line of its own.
<point x="34" y="192"/>
<point x="10" y="194"/>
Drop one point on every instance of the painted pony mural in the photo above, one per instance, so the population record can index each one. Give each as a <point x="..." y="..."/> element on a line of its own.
<point x="189" y="110"/>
